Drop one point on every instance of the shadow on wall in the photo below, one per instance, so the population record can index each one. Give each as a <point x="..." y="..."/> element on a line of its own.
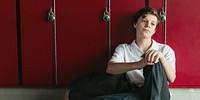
<point x="122" y="30"/>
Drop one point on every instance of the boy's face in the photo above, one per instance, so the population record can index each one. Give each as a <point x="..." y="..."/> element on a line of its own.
<point x="146" y="25"/>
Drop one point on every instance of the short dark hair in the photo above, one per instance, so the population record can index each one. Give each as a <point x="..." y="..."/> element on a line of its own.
<point x="145" y="11"/>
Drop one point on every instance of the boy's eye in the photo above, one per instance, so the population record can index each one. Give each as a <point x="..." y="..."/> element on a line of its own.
<point x="143" y="20"/>
<point x="153" y="24"/>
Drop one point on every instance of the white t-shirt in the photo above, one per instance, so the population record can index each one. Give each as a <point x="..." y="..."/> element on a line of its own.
<point x="132" y="53"/>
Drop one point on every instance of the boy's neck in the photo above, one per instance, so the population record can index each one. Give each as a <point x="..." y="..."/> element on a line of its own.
<point x="144" y="44"/>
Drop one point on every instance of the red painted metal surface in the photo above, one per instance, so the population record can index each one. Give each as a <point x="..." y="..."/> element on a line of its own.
<point x="183" y="36"/>
<point x="37" y="43"/>
<point x="8" y="42"/>
<point x="82" y="39"/>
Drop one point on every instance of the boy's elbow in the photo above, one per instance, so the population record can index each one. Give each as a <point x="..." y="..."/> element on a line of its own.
<point x="109" y="69"/>
<point x="172" y="79"/>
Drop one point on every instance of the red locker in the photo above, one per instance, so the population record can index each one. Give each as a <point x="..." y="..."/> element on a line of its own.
<point x="183" y="36"/>
<point x="8" y="42"/>
<point x="82" y="38"/>
<point x="37" y="43"/>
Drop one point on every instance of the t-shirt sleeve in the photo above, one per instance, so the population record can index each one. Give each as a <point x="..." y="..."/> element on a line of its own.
<point x="118" y="55"/>
<point x="170" y="56"/>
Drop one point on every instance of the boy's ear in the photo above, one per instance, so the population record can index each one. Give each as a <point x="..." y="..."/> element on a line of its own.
<point x="134" y="25"/>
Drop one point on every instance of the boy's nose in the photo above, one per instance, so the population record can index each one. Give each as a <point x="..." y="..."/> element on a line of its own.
<point x="147" y="24"/>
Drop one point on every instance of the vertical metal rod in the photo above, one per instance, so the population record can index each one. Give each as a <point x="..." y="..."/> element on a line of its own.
<point x="165" y="23"/>
<point x="109" y="30"/>
<point x="55" y="45"/>
<point x="146" y="3"/>
<point x="19" y="44"/>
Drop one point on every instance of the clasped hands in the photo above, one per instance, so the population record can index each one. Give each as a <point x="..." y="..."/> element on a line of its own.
<point x="151" y="57"/>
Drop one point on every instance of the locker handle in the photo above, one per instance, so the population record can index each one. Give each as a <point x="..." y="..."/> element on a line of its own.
<point x="51" y="15"/>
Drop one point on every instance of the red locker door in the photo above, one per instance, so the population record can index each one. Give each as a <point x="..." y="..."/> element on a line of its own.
<point x="81" y="38"/>
<point x="37" y="43"/>
<point x="183" y="35"/>
<point x="8" y="42"/>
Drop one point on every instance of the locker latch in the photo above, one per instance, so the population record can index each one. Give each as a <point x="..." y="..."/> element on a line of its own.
<point x="51" y="15"/>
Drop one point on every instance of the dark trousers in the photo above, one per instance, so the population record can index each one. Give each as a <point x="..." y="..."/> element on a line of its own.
<point x="154" y="88"/>
<point x="96" y="86"/>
